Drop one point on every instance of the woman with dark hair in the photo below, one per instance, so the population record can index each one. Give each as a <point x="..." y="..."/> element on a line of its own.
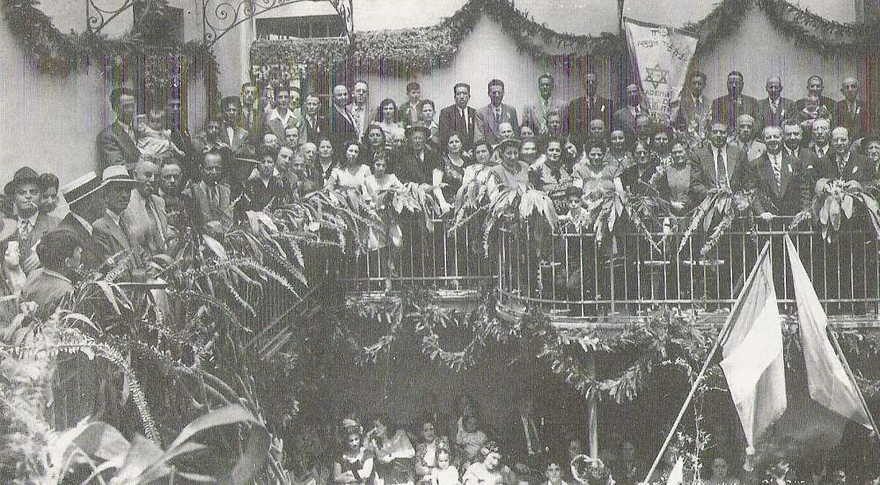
<point x="618" y="153"/>
<point x="550" y="175"/>
<point x="429" y="121"/>
<point x="393" y="453"/>
<point x="479" y="169"/>
<point x="637" y="178"/>
<point x="325" y="163"/>
<point x="351" y="173"/>
<point x="488" y="471"/>
<point x="426" y="450"/>
<point x="448" y="177"/>
<point x="871" y="147"/>
<point x="673" y="181"/>
<point x="354" y="465"/>
<point x="660" y="145"/>
<point x="528" y="151"/>
<point x="375" y="145"/>
<point x="594" y="174"/>
<point x="388" y="117"/>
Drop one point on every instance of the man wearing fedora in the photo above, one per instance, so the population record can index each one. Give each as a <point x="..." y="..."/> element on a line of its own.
<point x="117" y="142"/>
<point x="110" y="231"/>
<point x="31" y="225"/>
<point x="418" y="161"/>
<point x="86" y="205"/>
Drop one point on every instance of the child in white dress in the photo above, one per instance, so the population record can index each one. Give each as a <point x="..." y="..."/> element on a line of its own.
<point x="445" y="473"/>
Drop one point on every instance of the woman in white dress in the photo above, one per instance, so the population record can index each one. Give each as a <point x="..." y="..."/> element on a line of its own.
<point x="352" y="174"/>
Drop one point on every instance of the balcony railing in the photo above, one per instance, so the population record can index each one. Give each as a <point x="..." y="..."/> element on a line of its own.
<point x="574" y="277"/>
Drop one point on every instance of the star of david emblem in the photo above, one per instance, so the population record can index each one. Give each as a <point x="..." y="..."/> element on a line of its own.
<point x="657" y="76"/>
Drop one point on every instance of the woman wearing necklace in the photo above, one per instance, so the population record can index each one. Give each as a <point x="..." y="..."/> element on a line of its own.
<point x="448" y="177"/>
<point x="326" y="161"/>
<point x="354" y="466"/>
<point x="352" y="174"/>
<point x="673" y="182"/>
<point x="511" y="172"/>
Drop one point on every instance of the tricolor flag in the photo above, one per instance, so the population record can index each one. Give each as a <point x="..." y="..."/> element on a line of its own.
<point x="752" y="353"/>
<point x="828" y="381"/>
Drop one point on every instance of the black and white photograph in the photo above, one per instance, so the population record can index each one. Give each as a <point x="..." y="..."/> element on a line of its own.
<point x="448" y="242"/>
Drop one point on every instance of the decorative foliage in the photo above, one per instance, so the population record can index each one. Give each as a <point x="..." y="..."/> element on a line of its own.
<point x="838" y="201"/>
<point x="715" y="215"/>
<point x="426" y="47"/>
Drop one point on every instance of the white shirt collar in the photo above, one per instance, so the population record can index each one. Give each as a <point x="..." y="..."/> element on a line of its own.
<point x="82" y="221"/>
<point x="32" y="219"/>
<point x="284" y="119"/>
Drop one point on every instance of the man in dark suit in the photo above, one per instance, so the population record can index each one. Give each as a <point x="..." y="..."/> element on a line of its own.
<point x="342" y="126"/>
<point x="252" y="113"/>
<point x="774" y="109"/>
<point x="212" y="207"/>
<point x="718" y="164"/>
<point x="496" y="112"/>
<point x="814" y="105"/>
<point x="180" y="136"/>
<point x="779" y="178"/>
<point x="693" y="110"/>
<point x="417" y="162"/>
<point x="313" y="124"/>
<point x="586" y="108"/>
<point x="235" y="137"/>
<point x="86" y="205"/>
<point x="177" y="206"/>
<point x="109" y="231"/>
<point x="116" y="143"/>
<point x="625" y="118"/>
<point x="851" y="112"/>
<point x="728" y="108"/>
<point x="60" y="254"/>
<point x="461" y="118"/>
<point x="24" y="190"/>
<point x="842" y="163"/>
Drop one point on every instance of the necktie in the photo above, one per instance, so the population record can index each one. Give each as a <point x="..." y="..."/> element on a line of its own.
<point x="497" y="115"/>
<point x="464" y="121"/>
<point x="777" y="170"/>
<point x="24" y="228"/>
<point x="154" y="215"/>
<point x="721" y="169"/>
<point x="840" y="166"/>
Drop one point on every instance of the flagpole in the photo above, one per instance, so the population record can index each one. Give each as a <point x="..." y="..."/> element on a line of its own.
<point x="855" y="384"/>
<point x="721" y="337"/>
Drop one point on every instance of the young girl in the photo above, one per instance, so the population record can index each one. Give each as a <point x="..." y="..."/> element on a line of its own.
<point x="470" y="439"/>
<point x="377" y="183"/>
<point x="153" y="138"/>
<point x="446" y="473"/>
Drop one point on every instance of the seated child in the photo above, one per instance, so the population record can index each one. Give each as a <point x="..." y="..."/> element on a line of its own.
<point x="470" y="439"/>
<point x="446" y="473"/>
<point x="153" y="138"/>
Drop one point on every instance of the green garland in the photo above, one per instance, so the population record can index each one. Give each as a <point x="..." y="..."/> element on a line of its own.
<point x="59" y="54"/>
<point x="425" y="47"/>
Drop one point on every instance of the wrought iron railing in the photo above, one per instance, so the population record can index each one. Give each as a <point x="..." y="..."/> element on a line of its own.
<point x="575" y="276"/>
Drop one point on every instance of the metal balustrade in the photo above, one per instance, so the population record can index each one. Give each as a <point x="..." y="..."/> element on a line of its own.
<point x="575" y="277"/>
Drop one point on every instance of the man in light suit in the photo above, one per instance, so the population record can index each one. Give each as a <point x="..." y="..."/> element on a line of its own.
<point x="281" y="116"/>
<point x="24" y="190"/>
<point x="779" y="178"/>
<point x="625" y="118"/>
<point x="729" y="107"/>
<point x="461" y="118"/>
<point x="359" y="109"/>
<point x="110" y="231"/>
<point x="535" y="115"/>
<point x="116" y="143"/>
<point x="145" y="215"/>
<point x="774" y="109"/>
<point x="746" y="138"/>
<point x="496" y="112"/>
<point x="851" y="112"/>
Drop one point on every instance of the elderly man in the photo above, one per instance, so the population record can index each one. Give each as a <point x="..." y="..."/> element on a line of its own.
<point x="145" y="215"/>
<point x="821" y="138"/>
<point x="496" y="112"/>
<point x="727" y="108"/>
<point x="779" y="177"/>
<point x="110" y="231"/>
<point x="86" y="205"/>
<point x="693" y="110"/>
<point x="116" y="143"/>
<point x="745" y="138"/>
<point x="212" y="207"/>
<point x="842" y="163"/>
<point x="25" y="192"/>
<point x="582" y="110"/>
<point x="359" y="109"/>
<point x="536" y="115"/>
<point x="625" y="118"/>
<point x="851" y="112"/>
<point x="461" y="118"/>
<point x="417" y="162"/>
<point x="177" y="205"/>
<point x="774" y="109"/>
<point x="342" y="125"/>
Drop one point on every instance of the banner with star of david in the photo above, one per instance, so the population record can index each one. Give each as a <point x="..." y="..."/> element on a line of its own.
<point x="660" y="56"/>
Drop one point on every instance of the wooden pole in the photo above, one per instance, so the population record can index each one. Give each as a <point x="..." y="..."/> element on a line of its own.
<point x="721" y="337"/>
<point x="593" y="409"/>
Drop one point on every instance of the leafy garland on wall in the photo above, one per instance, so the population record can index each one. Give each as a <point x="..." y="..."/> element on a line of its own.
<point x="55" y="53"/>
<point x="666" y="339"/>
<point x="425" y="47"/>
